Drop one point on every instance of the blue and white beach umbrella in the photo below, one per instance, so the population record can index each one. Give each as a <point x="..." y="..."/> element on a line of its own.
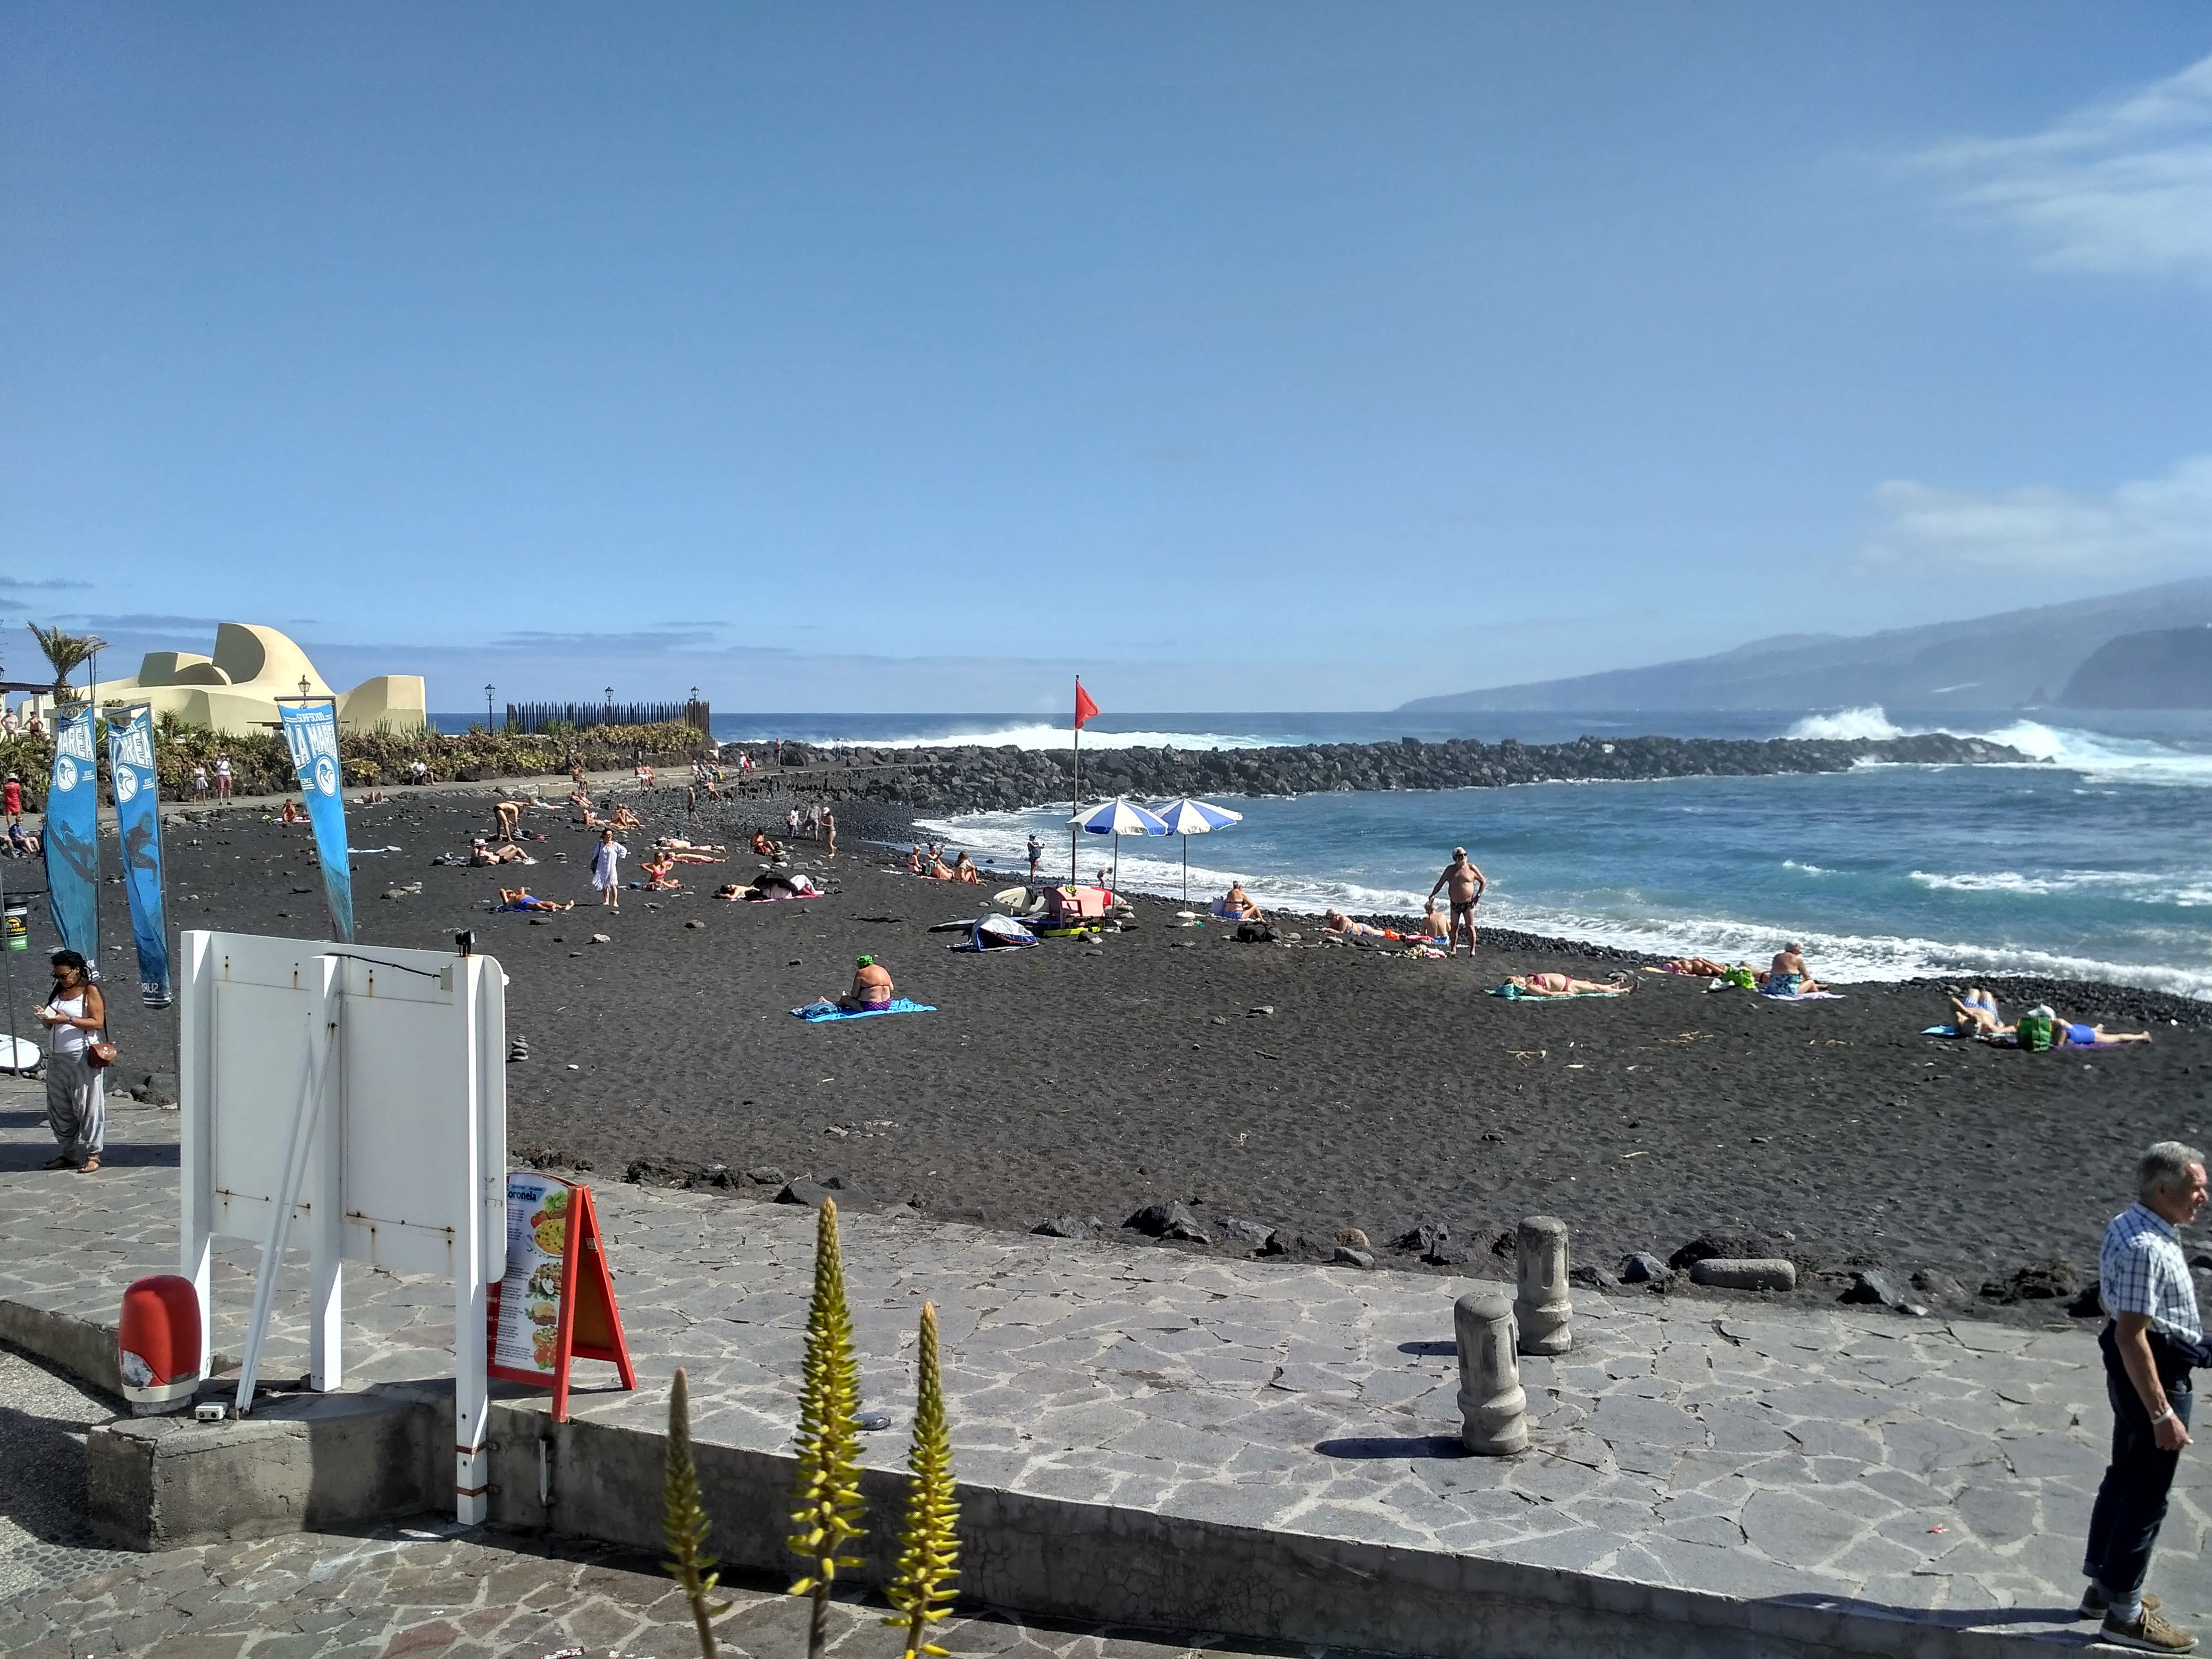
<point x="1118" y="818"/>
<point x="1194" y="818"/>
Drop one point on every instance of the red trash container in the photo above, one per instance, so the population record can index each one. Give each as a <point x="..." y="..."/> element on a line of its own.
<point x="159" y="1339"/>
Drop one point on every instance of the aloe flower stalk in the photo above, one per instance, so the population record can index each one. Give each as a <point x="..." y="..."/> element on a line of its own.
<point x="826" y="1504"/>
<point x="684" y="1522"/>
<point x="929" y="1545"/>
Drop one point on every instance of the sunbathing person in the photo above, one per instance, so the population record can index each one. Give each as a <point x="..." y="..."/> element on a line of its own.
<point x="1565" y="985"/>
<point x="1701" y="967"/>
<point x="872" y="988"/>
<point x="913" y="859"/>
<point x="1237" y="904"/>
<point x="660" y="873"/>
<point x="1336" y="922"/>
<point x="1434" y="924"/>
<point x="623" y="819"/>
<point x="964" y="869"/>
<point x="763" y="845"/>
<point x="2064" y="1033"/>
<point x="677" y="844"/>
<point x="1975" y="1014"/>
<point x="481" y="853"/>
<point x="292" y="814"/>
<point x="1789" y="977"/>
<point x="522" y="898"/>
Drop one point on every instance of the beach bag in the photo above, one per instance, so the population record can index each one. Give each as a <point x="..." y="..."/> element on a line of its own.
<point x="1742" y="977"/>
<point x="1254" y="932"/>
<point x="2034" y="1031"/>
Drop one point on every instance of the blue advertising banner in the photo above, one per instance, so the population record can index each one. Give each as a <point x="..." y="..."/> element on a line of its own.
<point x="72" y="836"/>
<point x="138" y="814"/>
<point x="311" y="729"/>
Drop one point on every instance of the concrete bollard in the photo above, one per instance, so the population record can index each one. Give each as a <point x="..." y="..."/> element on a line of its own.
<point x="1493" y="1409"/>
<point x="1542" y="1309"/>
<point x="1749" y="1272"/>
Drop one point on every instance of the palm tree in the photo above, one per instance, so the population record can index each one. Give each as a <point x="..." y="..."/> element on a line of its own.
<point x="67" y="652"/>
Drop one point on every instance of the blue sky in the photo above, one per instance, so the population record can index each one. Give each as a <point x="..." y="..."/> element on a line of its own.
<point x="1244" y="355"/>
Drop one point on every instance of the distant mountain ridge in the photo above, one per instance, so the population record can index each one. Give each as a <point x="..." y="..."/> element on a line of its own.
<point x="2015" y="658"/>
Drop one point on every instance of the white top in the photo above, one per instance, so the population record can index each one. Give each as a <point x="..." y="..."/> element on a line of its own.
<point x="68" y="1039"/>
<point x="605" y="857"/>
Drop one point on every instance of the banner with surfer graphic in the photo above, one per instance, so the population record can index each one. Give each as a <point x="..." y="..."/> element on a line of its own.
<point x="72" y="835"/>
<point x="138" y="817"/>
<point x="312" y="730"/>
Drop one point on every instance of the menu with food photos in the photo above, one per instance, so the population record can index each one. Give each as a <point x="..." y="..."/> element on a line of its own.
<point x="556" y="1302"/>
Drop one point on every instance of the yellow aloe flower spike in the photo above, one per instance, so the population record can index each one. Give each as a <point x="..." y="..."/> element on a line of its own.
<point x="921" y="1589"/>
<point x="825" y="1498"/>
<point x="684" y="1522"/>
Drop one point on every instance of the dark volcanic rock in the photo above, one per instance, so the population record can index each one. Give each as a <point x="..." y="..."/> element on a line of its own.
<point x="1250" y="1233"/>
<point x="1067" y="1226"/>
<point x="2047" y="1280"/>
<point x="1169" y="1220"/>
<point x="1642" y="1267"/>
<point x="1595" y="1278"/>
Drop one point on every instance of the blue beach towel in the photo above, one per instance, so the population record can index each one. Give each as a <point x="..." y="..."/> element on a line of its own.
<point x="1515" y="993"/>
<point x="815" y="1012"/>
<point x="1941" y="1030"/>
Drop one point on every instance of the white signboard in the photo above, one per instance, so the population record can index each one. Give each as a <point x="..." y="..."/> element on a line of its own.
<point x="366" y="1086"/>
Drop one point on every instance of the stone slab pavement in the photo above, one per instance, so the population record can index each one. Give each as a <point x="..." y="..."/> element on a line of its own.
<point x="426" y="1590"/>
<point x="1939" y="1470"/>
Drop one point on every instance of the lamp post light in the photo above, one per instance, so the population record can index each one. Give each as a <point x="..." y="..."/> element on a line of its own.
<point x="306" y="686"/>
<point x="488" y="689"/>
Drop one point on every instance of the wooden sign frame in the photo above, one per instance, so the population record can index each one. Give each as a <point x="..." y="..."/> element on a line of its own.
<point x="585" y="1323"/>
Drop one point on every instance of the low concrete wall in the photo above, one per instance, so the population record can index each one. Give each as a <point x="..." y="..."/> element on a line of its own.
<point x="86" y="1351"/>
<point x="1098" y="1562"/>
<point x="299" y="1462"/>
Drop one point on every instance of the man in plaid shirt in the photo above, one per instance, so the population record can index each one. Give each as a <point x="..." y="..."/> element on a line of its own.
<point x="2152" y="1341"/>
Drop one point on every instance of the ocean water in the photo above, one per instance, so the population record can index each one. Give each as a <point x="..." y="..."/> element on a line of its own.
<point x="2093" y="861"/>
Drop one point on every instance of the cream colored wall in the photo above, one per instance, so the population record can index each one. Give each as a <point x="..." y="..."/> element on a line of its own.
<point x="235" y="691"/>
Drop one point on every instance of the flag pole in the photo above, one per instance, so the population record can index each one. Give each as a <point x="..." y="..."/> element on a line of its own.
<point x="1075" y="806"/>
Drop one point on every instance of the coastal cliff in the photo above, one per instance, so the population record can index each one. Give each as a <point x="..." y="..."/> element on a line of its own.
<point x="977" y="779"/>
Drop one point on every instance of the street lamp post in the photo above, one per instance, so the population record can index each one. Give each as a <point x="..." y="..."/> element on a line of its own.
<point x="488" y="689"/>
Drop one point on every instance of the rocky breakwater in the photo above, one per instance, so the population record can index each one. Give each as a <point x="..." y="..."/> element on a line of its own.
<point x="977" y="779"/>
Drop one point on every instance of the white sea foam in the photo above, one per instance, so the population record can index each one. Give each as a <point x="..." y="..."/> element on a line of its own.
<point x="1847" y="723"/>
<point x="1805" y="869"/>
<point x="2097" y="755"/>
<point x="1844" y="957"/>
<point x="2185" y="888"/>
<point x="1043" y="736"/>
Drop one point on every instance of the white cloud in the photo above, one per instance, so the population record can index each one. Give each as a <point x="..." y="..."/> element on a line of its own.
<point x="2115" y="187"/>
<point x="2153" y="523"/>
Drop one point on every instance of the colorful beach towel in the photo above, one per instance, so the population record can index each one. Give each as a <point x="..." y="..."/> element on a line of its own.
<point x="1515" y="993"/>
<point x="815" y="1012"/>
<point x="1941" y="1030"/>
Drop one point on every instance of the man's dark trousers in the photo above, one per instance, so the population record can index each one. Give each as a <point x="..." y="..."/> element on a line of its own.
<point x="2131" y="1501"/>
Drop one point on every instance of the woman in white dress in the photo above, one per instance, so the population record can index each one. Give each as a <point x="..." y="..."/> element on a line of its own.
<point x="606" y="868"/>
<point x="77" y="1090"/>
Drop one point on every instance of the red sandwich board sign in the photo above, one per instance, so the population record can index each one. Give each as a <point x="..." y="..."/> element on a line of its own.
<point x="558" y="1301"/>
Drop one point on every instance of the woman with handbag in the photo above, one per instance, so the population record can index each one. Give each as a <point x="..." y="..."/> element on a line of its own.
<point x="78" y="1053"/>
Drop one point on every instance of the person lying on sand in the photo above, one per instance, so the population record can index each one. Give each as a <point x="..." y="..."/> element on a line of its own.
<point x="2066" y="1035"/>
<point x="1564" y="985"/>
<point x="1701" y="967"/>
<point x="1789" y="977"/>
<point x="1975" y="1014"/>
<point x="522" y="898"/>
<point x="872" y="988"/>
<point x="482" y="853"/>
<point x="677" y="845"/>
<point x="1336" y="922"/>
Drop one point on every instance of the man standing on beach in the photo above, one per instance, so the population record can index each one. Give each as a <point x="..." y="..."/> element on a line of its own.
<point x="2149" y="1345"/>
<point x="1036" y="855"/>
<point x="1465" y="885"/>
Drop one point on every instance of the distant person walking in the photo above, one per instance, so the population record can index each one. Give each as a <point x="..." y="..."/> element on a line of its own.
<point x="77" y="1090"/>
<point x="199" y="781"/>
<point x="1464" y="885"/>
<point x="606" y="868"/>
<point x="1036" y="855"/>
<point x="791" y="820"/>
<point x="223" y="777"/>
<point x="2150" y="1343"/>
<point x="829" y="830"/>
<point x="11" y="800"/>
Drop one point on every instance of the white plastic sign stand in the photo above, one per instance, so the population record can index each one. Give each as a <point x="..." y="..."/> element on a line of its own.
<point x="354" y="1097"/>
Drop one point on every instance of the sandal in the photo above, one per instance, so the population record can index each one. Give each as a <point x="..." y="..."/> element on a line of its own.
<point x="64" y="1162"/>
<point x="90" y="1166"/>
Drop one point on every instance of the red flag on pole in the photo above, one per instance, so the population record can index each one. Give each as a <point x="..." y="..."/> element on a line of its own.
<point x="1085" y="708"/>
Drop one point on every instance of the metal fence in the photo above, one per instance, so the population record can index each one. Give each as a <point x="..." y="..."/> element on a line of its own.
<point x="530" y="717"/>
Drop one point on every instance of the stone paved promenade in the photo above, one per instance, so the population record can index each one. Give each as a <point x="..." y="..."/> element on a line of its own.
<point x="1942" y="1472"/>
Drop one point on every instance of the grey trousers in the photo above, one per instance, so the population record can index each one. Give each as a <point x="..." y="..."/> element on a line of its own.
<point x="76" y="1105"/>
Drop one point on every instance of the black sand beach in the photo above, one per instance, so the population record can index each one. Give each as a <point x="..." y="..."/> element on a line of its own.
<point x="1307" y="1089"/>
